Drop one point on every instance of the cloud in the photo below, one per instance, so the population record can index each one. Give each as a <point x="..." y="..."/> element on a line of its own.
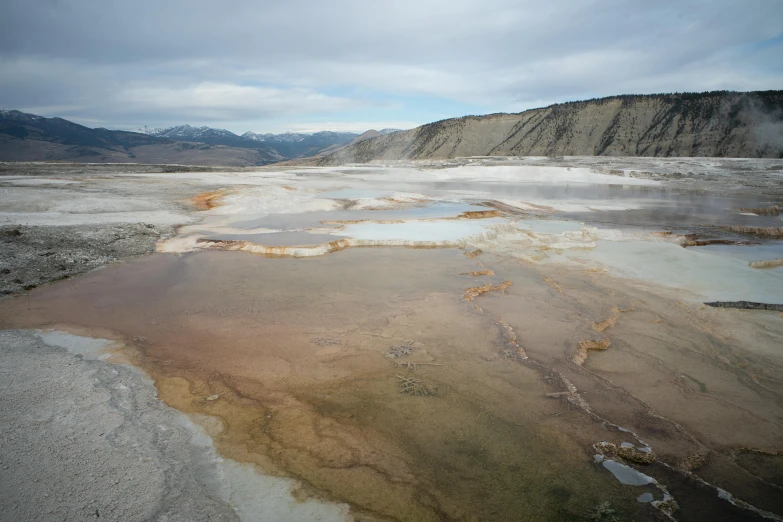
<point x="275" y="61"/>
<point x="211" y="100"/>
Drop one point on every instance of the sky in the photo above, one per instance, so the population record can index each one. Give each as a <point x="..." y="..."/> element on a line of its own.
<point x="307" y="65"/>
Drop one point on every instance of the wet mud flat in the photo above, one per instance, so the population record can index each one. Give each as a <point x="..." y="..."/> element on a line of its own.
<point x="369" y="376"/>
<point x="298" y="354"/>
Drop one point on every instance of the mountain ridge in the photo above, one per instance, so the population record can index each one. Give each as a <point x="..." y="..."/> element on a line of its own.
<point x="713" y="124"/>
<point x="288" y="145"/>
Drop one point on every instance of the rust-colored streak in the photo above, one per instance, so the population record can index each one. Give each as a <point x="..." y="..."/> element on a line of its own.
<point x="609" y="322"/>
<point x="480" y="214"/>
<point x="705" y="242"/>
<point x="207" y="200"/>
<point x="582" y="349"/>
<point x="551" y="282"/>
<point x="276" y="251"/>
<point x="473" y="292"/>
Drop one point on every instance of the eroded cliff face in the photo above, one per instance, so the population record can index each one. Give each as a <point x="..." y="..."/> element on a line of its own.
<point x="719" y="124"/>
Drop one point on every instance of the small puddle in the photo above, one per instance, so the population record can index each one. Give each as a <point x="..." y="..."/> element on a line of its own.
<point x="645" y="497"/>
<point x="750" y="253"/>
<point x="711" y="277"/>
<point x="446" y="230"/>
<point x="626" y="474"/>
<point x="313" y="219"/>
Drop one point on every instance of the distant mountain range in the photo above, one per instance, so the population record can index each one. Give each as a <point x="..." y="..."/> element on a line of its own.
<point x="717" y="124"/>
<point x="29" y="137"/>
<point x="288" y="145"/>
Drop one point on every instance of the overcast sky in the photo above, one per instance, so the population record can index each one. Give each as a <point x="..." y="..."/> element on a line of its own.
<point x="307" y="65"/>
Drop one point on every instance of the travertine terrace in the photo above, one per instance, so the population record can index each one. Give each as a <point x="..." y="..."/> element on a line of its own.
<point x="471" y="339"/>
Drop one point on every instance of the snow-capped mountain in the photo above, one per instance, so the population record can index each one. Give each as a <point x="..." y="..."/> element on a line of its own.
<point x="12" y="114"/>
<point x="287" y="137"/>
<point x="186" y="132"/>
<point x="256" y="137"/>
<point x="207" y="135"/>
<point x="149" y="131"/>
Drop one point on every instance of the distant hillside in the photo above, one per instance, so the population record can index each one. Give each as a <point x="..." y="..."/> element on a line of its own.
<point x="26" y="126"/>
<point x="372" y="133"/>
<point x="721" y="124"/>
<point x="28" y="137"/>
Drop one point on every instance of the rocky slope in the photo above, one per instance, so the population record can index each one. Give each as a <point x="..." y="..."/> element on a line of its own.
<point x="372" y="133"/>
<point x="720" y="124"/>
